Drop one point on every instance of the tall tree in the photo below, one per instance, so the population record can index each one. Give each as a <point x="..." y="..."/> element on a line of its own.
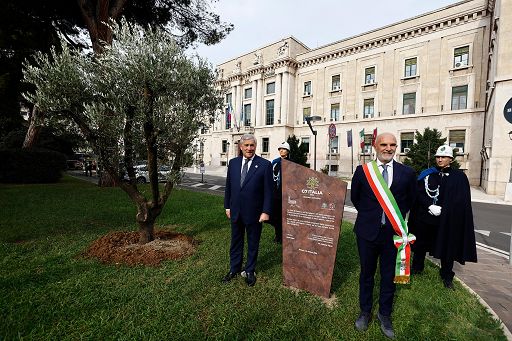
<point x="423" y="151"/>
<point x="298" y="153"/>
<point x="189" y="21"/>
<point x="142" y="88"/>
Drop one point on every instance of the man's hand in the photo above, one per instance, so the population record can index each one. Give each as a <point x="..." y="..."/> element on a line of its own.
<point x="264" y="217"/>
<point x="434" y="210"/>
<point x="228" y="213"/>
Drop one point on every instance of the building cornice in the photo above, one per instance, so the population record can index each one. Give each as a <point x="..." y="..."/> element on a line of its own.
<point x="265" y="71"/>
<point x="398" y="36"/>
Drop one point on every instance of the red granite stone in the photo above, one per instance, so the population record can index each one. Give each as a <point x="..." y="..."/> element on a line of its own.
<point x="312" y="212"/>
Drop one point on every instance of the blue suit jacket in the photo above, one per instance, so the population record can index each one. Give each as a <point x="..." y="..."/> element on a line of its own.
<point x="369" y="211"/>
<point x="255" y="196"/>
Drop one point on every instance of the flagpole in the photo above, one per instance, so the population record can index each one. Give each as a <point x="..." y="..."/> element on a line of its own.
<point x="352" y="156"/>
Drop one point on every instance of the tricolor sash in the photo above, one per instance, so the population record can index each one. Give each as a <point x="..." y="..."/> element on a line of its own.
<point x="402" y="239"/>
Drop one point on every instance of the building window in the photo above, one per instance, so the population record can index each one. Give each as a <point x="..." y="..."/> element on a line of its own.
<point x="334" y="168"/>
<point x="269" y="106"/>
<point x="457" y="140"/>
<point x="335" y="112"/>
<point x="461" y="56"/>
<point x="367" y="148"/>
<point x="409" y="105"/>
<point x="406" y="142"/>
<point x="248" y="93"/>
<point x="335" y="83"/>
<point x="271" y="88"/>
<point x="307" y="88"/>
<point x="369" y="75"/>
<point x="368" y="108"/>
<point x="265" y="142"/>
<point x="305" y="142"/>
<point x="333" y="145"/>
<point x="411" y="65"/>
<point x="224" y="146"/>
<point x="229" y="98"/>
<point x="306" y="112"/>
<point x="247" y="115"/>
<point x="459" y="97"/>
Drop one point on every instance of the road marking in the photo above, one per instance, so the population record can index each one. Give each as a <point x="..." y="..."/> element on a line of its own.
<point x="492" y="250"/>
<point x="215" y="187"/>
<point x="507" y="233"/>
<point x="484" y="232"/>
<point x="197" y="185"/>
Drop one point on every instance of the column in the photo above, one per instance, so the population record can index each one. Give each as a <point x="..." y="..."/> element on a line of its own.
<point x="277" y="107"/>
<point x="260" y="104"/>
<point x="254" y="102"/>
<point x="285" y="98"/>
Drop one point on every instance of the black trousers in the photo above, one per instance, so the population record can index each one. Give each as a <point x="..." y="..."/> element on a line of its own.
<point x="236" y="250"/>
<point x="382" y="251"/>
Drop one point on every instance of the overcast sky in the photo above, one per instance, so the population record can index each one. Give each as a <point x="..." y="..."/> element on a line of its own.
<point x="314" y="23"/>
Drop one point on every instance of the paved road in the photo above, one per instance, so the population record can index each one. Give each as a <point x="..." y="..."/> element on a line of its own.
<point x="492" y="224"/>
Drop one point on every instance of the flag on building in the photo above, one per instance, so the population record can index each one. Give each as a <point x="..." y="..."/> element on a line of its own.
<point x="228" y="115"/>
<point x="374" y="136"/>
<point x="349" y="138"/>
<point x="361" y="134"/>
<point x="235" y="122"/>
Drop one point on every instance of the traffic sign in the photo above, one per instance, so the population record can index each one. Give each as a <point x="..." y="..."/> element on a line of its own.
<point x="507" y="111"/>
<point x="332" y="131"/>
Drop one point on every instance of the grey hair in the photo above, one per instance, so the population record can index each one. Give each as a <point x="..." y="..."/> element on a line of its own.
<point x="246" y="137"/>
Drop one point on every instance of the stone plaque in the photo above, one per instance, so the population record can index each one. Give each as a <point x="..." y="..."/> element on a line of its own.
<point x="312" y="211"/>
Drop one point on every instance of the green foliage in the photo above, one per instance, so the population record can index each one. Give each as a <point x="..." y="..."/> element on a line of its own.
<point x="298" y="153"/>
<point x="423" y="151"/>
<point x="31" y="166"/>
<point x="50" y="292"/>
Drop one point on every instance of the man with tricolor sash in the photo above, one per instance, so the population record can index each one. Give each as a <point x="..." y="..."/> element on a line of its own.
<point x="382" y="191"/>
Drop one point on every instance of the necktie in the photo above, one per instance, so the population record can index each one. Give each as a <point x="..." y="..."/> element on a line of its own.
<point x="385" y="176"/>
<point x="244" y="171"/>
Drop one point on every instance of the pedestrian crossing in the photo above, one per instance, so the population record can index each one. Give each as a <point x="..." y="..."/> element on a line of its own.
<point x="202" y="186"/>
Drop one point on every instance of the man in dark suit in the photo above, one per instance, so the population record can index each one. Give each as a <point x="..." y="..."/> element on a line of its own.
<point x="248" y="202"/>
<point x="374" y="231"/>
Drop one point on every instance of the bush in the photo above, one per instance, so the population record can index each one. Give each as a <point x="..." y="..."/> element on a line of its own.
<point x="31" y="166"/>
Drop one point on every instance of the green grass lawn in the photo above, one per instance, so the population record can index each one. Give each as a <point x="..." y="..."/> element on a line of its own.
<point x="49" y="292"/>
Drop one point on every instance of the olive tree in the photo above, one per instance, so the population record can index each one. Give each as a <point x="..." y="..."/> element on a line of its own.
<point x="142" y="89"/>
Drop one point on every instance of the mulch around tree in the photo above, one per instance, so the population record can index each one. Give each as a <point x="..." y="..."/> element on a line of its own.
<point x="124" y="248"/>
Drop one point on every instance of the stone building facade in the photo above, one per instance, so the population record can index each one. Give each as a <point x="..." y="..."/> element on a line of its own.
<point x="450" y="69"/>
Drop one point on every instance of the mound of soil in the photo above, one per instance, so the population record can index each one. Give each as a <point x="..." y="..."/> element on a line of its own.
<point x="123" y="248"/>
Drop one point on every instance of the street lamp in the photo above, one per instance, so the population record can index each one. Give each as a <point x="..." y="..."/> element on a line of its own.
<point x="310" y="119"/>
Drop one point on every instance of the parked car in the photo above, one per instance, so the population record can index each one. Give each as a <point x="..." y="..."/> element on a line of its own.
<point x="142" y="174"/>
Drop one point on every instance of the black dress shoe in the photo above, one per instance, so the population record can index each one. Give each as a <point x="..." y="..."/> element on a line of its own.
<point x="386" y="326"/>
<point x="362" y="321"/>
<point x="448" y="284"/>
<point x="250" y="278"/>
<point x="229" y="276"/>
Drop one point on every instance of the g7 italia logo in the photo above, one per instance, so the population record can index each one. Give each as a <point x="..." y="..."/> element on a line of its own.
<point x="312" y="183"/>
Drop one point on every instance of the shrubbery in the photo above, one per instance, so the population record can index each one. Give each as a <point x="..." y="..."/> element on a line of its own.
<point x="31" y="166"/>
